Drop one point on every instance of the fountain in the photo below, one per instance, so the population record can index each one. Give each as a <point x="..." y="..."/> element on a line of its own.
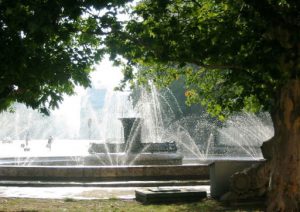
<point x="112" y="143"/>
<point x="133" y="151"/>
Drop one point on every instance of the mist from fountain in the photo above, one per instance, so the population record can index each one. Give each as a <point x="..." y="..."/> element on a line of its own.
<point x="77" y="123"/>
<point x="198" y="136"/>
<point x="81" y="121"/>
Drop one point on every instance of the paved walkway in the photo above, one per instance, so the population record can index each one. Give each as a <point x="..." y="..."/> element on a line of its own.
<point x="80" y="192"/>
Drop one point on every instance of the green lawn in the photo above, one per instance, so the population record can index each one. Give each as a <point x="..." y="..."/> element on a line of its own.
<point x="25" y="204"/>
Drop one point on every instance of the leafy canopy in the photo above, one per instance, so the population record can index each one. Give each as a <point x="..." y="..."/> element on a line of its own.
<point x="235" y="55"/>
<point x="48" y="47"/>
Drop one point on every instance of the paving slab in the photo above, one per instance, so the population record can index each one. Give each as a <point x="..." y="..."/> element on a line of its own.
<point x="164" y="195"/>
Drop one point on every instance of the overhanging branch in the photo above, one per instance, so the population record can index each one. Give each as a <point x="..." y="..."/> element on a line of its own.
<point x="219" y="66"/>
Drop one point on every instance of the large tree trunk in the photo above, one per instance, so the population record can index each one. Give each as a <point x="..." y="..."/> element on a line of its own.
<point x="283" y="151"/>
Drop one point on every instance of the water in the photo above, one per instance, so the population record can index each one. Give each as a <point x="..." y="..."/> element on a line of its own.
<point x="197" y="135"/>
<point x="93" y="117"/>
<point x="38" y="148"/>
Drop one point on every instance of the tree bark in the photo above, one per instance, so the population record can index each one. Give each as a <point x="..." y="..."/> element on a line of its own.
<point x="283" y="151"/>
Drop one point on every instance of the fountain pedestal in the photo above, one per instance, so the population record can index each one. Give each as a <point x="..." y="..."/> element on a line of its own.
<point x="132" y="134"/>
<point x="133" y="151"/>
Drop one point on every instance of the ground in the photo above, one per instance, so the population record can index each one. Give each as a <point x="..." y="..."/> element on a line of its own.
<point x="111" y="205"/>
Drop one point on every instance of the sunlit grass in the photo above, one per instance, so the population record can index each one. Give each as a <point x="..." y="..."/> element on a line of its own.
<point x="69" y="204"/>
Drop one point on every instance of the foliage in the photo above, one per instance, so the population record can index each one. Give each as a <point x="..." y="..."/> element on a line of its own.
<point x="48" y="47"/>
<point x="235" y="55"/>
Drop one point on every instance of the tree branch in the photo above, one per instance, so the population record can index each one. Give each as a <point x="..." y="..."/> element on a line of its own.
<point x="218" y="66"/>
<point x="197" y="3"/>
<point x="266" y="11"/>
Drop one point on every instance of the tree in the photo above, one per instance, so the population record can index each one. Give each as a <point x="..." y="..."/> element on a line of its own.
<point x="48" y="47"/>
<point x="235" y="55"/>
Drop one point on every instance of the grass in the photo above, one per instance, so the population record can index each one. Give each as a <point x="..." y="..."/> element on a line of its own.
<point x="111" y="205"/>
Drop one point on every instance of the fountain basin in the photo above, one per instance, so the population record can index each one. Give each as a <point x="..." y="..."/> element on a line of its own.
<point x="169" y="147"/>
<point x="105" y="173"/>
<point x="97" y="159"/>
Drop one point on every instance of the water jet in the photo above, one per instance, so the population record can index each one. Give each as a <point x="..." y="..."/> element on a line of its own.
<point x="156" y="145"/>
